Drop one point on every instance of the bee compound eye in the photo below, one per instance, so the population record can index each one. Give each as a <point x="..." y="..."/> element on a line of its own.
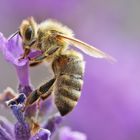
<point x="28" y="33"/>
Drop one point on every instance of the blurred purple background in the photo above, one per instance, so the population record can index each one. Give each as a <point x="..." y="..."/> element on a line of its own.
<point x="109" y="108"/>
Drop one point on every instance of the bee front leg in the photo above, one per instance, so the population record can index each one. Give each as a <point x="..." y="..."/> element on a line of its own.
<point x="25" y="54"/>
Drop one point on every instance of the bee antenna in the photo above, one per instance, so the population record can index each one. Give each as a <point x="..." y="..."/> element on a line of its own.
<point x="11" y="36"/>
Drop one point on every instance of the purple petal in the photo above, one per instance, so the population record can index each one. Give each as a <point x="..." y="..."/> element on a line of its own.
<point x="12" y="53"/>
<point x="24" y="89"/>
<point x="14" y="50"/>
<point x="18" y="113"/>
<point x="5" y="124"/>
<point x="34" y="53"/>
<point x="23" y="74"/>
<point x="67" y="134"/>
<point x="4" y="135"/>
<point x="53" y="123"/>
<point x="23" y="78"/>
<point x="22" y="131"/>
<point x="43" y="134"/>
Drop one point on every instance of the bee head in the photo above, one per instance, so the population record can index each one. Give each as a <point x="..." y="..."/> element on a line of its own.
<point x="28" y="31"/>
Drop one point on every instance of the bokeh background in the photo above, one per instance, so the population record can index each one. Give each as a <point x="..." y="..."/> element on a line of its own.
<point x="109" y="108"/>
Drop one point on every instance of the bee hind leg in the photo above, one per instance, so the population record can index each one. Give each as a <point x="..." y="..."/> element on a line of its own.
<point x="47" y="92"/>
<point x="38" y="93"/>
<point x="46" y="88"/>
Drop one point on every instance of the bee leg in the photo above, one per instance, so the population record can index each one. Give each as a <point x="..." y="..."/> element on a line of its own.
<point x="38" y="103"/>
<point x="36" y="94"/>
<point x="33" y="64"/>
<point x="38" y="110"/>
<point x="44" y="55"/>
<point x="34" y="126"/>
<point x="46" y="95"/>
<point x="38" y="59"/>
<point x="26" y="52"/>
<point x="46" y="87"/>
<point x="52" y="50"/>
<point x="46" y="92"/>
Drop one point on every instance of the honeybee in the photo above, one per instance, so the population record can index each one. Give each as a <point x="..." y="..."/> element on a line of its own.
<point x="53" y="40"/>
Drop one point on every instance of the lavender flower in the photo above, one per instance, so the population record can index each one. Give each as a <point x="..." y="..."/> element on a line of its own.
<point x="22" y="132"/>
<point x="12" y="51"/>
<point x="22" y="128"/>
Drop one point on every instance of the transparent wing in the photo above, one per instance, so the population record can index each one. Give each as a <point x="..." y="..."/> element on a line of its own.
<point x="86" y="48"/>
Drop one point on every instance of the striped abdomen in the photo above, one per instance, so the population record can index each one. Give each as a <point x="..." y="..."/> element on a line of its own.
<point x="69" y="70"/>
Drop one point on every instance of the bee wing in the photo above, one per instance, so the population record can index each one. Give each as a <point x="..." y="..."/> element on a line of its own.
<point x="86" y="48"/>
